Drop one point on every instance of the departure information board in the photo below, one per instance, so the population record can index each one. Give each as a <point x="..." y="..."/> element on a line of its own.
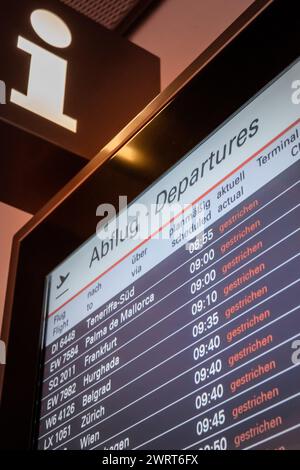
<point x="177" y="326"/>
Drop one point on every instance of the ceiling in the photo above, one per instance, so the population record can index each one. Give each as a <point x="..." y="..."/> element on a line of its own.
<point x="113" y="14"/>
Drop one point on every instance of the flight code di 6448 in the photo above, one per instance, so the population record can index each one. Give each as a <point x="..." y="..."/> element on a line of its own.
<point x="151" y="459"/>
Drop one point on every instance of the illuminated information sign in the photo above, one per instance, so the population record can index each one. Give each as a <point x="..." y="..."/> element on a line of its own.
<point x="189" y="337"/>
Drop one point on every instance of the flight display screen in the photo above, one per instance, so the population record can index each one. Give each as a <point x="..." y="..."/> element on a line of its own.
<point x="177" y="325"/>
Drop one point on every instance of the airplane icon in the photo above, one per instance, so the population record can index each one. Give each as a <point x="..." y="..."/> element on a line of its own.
<point x="62" y="280"/>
